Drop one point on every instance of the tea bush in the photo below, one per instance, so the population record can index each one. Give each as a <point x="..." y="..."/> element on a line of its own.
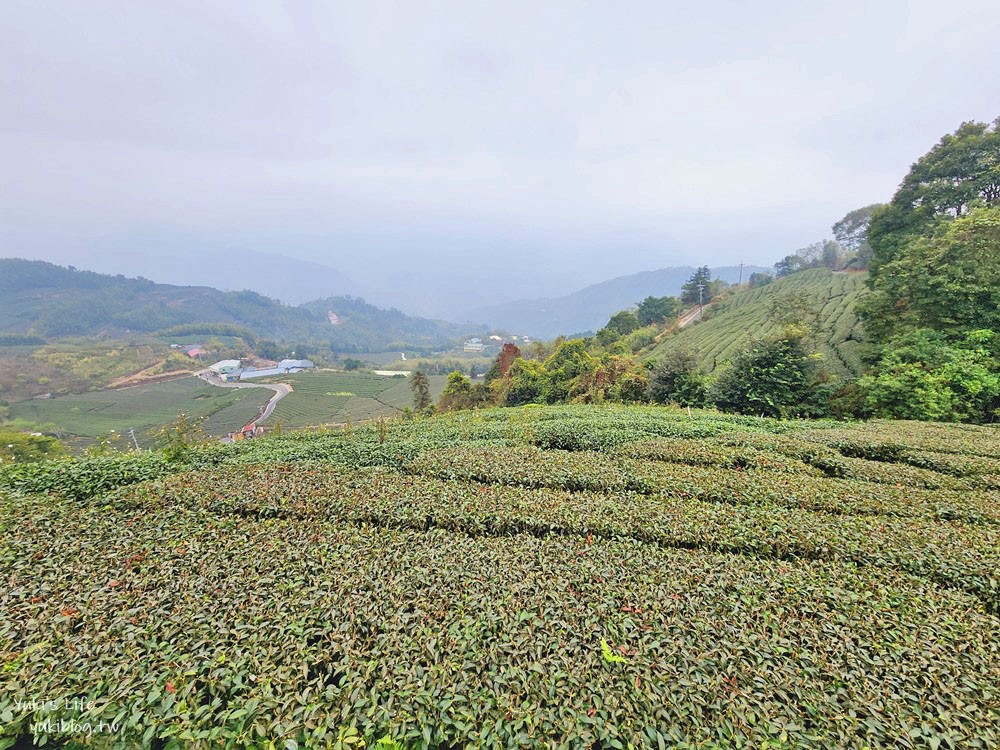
<point x="210" y="629"/>
<point x="571" y="576"/>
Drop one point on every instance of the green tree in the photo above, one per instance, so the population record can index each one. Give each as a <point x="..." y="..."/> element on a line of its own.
<point x="760" y="279"/>
<point x="527" y="383"/>
<point x="832" y="256"/>
<point x="639" y="339"/>
<point x="620" y="324"/>
<point x="457" y="391"/>
<point x="949" y="281"/>
<point x="677" y="379"/>
<point x="461" y="393"/>
<point x="852" y="231"/>
<point x="624" y="322"/>
<point x="776" y="377"/>
<point x="611" y="378"/>
<point x="960" y="172"/>
<point x="787" y="266"/>
<point x="653" y="310"/>
<point x="421" y="388"/>
<point x="569" y="361"/>
<point x="923" y="375"/>
<point x="822" y="254"/>
<point x="690" y="293"/>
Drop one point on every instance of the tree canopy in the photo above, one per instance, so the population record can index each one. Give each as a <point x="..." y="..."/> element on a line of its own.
<point x="657" y="310"/>
<point x="696" y="289"/>
<point x="948" y="281"/>
<point x="852" y="231"/>
<point x="959" y="173"/>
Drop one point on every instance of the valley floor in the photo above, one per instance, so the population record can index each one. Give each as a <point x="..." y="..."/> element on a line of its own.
<point x="550" y="576"/>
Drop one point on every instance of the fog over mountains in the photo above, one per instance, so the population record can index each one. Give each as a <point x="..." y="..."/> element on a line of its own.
<point x="513" y="301"/>
<point x="290" y="280"/>
<point x="588" y="309"/>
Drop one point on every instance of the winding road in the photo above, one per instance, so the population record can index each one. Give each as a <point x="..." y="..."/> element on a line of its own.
<point x="280" y="391"/>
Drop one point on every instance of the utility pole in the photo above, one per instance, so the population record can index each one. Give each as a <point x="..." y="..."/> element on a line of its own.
<point x="701" y="303"/>
<point x="740" y="282"/>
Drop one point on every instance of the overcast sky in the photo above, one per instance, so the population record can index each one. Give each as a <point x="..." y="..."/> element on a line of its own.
<point x="564" y="142"/>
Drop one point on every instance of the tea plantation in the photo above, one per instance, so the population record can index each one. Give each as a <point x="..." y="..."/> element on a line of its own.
<point x="601" y="577"/>
<point x="750" y="315"/>
<point x="325" y="397"/>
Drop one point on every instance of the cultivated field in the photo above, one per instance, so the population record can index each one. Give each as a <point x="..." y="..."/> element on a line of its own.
<point x="324" y="397"/>
<point x="79" y="365"/>
<point x="87" y="416"/>
<point x="537" y="577"/>
<point x="730" y="325"/>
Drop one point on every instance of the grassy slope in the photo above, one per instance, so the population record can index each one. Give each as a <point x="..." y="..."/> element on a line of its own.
<point x="88" y="416"/>
<point x="744" y="317"/>
<point x="670" y="581"/>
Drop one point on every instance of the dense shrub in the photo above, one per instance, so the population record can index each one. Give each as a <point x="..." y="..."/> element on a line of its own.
<point x="776" y="377"/>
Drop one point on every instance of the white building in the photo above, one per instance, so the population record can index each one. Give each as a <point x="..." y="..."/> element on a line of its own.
<point x="284" y="367"/>
<point x="226" y="366"/>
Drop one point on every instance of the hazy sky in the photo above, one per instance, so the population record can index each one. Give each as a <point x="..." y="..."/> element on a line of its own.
<point x="434" y="143"/>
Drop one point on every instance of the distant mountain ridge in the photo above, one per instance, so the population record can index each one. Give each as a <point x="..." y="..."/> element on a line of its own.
<point x="280" y="277"/>
<point x="589" y="308"/>
<point x="52" y="301"/>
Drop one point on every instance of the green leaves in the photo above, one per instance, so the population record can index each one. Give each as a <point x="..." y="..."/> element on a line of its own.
<point x="609" y="655"/>
<point x="698" y="581"/>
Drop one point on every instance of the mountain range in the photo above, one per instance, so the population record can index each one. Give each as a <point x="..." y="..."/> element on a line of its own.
<point x="281" y="277"/>
<point x="43" y="299"/>
<point x="589" y="309"/>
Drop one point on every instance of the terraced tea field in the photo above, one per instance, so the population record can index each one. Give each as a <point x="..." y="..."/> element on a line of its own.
<point x="541" y="577"/>
<point x="733" y="323"/>
<point x="324" y="397"/>
<point x="88" y="416"/>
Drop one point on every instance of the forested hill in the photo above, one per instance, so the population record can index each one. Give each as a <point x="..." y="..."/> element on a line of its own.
<point x="52" y="301"/>
<point x="823" y="300"/>
<point x="588" y="309"/>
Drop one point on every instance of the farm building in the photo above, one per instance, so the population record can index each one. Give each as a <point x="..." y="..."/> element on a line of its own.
<point x="295" y="364"/>
<point x="474" y="345"/>
<point x="225" y="366"/>
<point x="250" y="430"/>
<point x="284" y="367"/>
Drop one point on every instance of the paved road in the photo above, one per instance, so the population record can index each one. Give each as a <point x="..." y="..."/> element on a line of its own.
<point x="280" y="391"/>
<point x="689" y="317"/>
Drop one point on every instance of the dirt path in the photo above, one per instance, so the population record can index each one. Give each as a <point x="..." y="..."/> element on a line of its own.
<point x="141" y="378"/>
